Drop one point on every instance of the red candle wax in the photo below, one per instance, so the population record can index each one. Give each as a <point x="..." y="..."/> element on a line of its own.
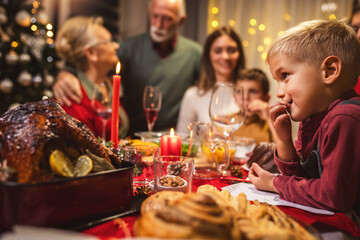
<point x="115" y="107"/>
<point x="170" y="144"/>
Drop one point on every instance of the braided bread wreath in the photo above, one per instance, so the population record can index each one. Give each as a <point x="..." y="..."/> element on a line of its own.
<point x="177" y="215"/>
<point x="214" y="214"/>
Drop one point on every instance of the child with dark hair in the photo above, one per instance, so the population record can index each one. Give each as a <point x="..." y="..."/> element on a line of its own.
<point x="255" y="86"/>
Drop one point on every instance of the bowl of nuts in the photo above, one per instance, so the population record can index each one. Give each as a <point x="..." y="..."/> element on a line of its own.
<point x="170" y="183"/>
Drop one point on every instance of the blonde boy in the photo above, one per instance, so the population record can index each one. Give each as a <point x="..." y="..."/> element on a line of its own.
<point x="316" y="65"/>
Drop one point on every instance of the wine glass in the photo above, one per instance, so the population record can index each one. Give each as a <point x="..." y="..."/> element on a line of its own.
<point x="151" y="105"/>
<point x="101" y="103"/>
<point x="227" y="108"/>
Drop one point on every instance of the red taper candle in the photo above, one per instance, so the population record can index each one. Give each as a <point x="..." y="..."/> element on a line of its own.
<point x="115" y="107"/>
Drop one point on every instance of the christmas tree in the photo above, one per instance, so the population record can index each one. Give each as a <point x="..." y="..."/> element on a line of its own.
<point x="27" y="53"/>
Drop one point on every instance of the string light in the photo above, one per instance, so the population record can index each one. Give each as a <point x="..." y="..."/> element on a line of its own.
<point x="36" y="4"/>
<point x="252" y="22"/>
<point x="33" y="28"/>
<point x="262" y="27"/>
<point x="264" y="55"/>
<point x="287" y="17"/>
<point x="214" y="23"/>
<point x="260" y="48"/>
<point x="215" y="10"/>
<point x="50" y="34"/>
<point x="280" y="33"/>
<point x="332" y="16"/>
<point x="252" y="31"/>
<point x="232" y="22"/>
<point x="14" y="44"/>
<point x="267" y="40"/>
<point x="49" y="26"/>
<point x="245" y="43"/>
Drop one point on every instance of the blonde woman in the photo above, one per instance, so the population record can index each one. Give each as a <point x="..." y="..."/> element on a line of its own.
<point x="87" y="45"/>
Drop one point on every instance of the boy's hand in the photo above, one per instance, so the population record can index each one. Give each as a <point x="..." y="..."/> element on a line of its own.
<point x="67" y="86"/>
<point x="281" y="120"/>
<point x="259" y="107"/>
<point x="262" y="179"/>
<point x="282" y="126"/>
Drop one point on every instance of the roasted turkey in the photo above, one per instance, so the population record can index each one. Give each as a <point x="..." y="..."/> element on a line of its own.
<point x="30" y="132"/>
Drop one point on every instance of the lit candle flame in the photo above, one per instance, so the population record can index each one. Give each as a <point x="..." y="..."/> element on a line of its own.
<point x="172" y="132"/>
<point x="118" y="68"/>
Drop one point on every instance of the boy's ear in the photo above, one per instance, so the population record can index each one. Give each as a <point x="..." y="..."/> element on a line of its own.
<point x="331" y="68"/>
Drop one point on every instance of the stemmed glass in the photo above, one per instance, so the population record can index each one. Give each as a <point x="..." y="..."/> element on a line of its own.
<point x="101" y="103"/>
<point x="151" y="105"/>
<point x="227" y="108"/>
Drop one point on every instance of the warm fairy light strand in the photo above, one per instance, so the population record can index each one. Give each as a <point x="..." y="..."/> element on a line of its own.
<point x="254" y="27"/>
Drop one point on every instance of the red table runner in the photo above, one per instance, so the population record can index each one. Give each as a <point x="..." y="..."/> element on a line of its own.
<point x="123" y="227"/>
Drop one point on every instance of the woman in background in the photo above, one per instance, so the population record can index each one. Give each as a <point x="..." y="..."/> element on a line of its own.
<point x="87" y="45"/>
<point x="222" y="58"/>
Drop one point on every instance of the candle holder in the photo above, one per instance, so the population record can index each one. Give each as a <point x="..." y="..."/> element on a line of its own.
<point x="143" y="157"/>
<point x="173" y="175"/>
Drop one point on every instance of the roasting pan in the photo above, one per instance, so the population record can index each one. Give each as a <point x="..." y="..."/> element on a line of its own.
<point x="59" y="202"/>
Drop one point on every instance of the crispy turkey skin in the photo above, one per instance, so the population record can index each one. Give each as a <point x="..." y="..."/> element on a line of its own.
<point x="31" y="131"/>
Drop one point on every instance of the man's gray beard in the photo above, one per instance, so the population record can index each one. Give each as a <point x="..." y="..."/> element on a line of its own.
<point x="166" y="35"/>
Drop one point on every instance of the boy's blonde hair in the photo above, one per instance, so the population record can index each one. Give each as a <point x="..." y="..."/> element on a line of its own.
<point x="313" y="41"/>
<point x="77" y="34"/>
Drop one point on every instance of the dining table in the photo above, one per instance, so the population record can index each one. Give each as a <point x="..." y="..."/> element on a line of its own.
<point x="327" y="227"/>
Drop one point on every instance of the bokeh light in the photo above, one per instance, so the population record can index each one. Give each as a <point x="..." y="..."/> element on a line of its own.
<point x="252" y="31"/>
<point x="267" y="41"/>
<point x="215" y="23"/>
<point x="214" y="10"/>
<point x="232" y="22"/>
<point x="252" y="22"/>
<point x="36" y="4"/>
<point x="287" y="17"/>
<point x="33" y="28"/>
<point x="50" y="34"/>
<point x="264" y="55"/>
<point x="14" y="44"/>
<point x="262" y="27"/>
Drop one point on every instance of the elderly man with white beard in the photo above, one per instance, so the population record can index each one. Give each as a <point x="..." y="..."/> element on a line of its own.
<point x="159" y="57"/>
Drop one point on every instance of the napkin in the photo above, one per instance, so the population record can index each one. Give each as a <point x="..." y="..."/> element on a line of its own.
<point x="271" y="198"/>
